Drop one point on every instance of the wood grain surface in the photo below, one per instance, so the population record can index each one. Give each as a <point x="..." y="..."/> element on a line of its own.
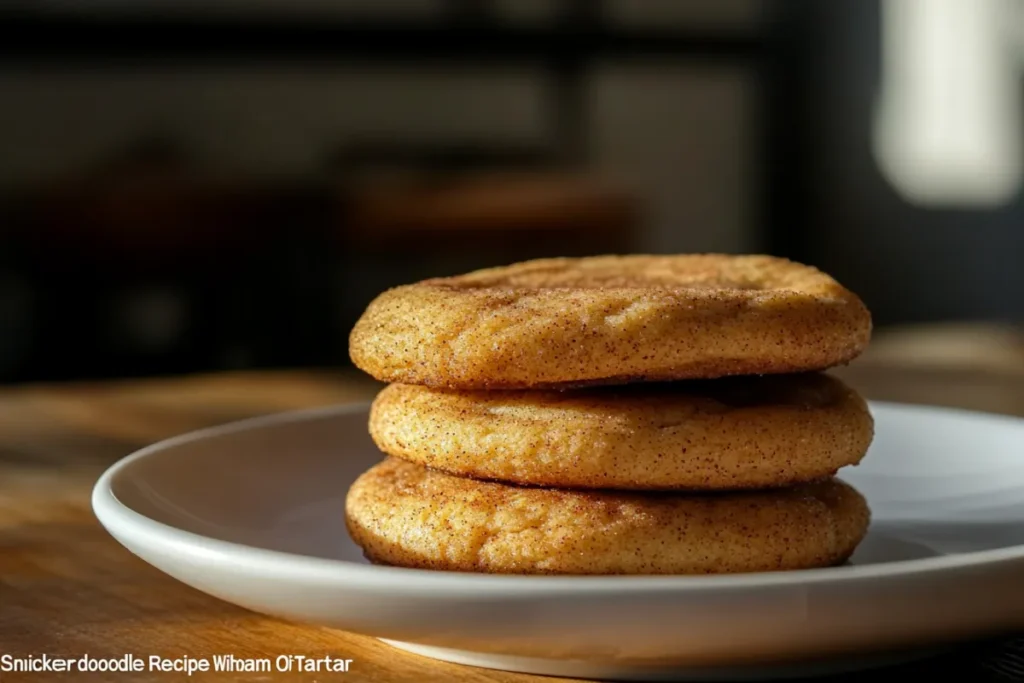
<point x="67" y="588"/>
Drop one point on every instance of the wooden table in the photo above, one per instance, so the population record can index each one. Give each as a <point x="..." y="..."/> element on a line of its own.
<point x="66" y="588"/>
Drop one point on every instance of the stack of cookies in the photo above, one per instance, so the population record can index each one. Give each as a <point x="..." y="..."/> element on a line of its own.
<point x="614" y="415"/>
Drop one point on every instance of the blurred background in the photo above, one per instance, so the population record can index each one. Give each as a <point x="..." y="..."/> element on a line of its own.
<point x="190" y="186"/>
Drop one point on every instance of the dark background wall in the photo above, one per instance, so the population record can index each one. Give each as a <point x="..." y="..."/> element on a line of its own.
<point x="225" y="188"/>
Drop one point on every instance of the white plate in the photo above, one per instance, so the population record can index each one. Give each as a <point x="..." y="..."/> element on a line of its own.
<point x="253" y="513"/>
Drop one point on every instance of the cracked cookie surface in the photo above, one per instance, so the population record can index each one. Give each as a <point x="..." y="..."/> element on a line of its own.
<point x="731" y="433"/>
<point x="407" y="515"/>
<point x="610" y="319"/>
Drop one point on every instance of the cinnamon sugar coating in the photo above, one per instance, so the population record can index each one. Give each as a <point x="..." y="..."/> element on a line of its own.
<point x="610" y="319"/>
<point x="732" y="433"/>
<point x="408" y="515"/>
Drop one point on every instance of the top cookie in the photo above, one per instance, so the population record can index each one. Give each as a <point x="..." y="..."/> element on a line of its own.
<point x="565" y="322"/>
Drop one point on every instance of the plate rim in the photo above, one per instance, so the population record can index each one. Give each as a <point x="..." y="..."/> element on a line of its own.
<point x="120" y="520"/>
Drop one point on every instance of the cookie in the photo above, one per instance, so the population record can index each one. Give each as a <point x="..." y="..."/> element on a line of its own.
<point x="556" y="323"/>
<point x="407" y="515"/>
<point x="731" y="433"/>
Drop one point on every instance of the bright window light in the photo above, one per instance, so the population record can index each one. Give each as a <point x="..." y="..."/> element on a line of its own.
<point x="947" y="130"/>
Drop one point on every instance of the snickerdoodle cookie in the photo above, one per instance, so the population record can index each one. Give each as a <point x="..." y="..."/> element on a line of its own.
<point x="408" y="515"/>
<point x="610" y="319"/>
<point x="731" y="433"/>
